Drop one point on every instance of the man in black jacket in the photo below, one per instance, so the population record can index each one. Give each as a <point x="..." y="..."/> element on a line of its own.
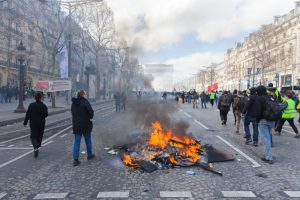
<point x="36" y="114"/>
<point x="251" y="113"/>
<point x="82" y="113"/>
<point x="224" y="107"/>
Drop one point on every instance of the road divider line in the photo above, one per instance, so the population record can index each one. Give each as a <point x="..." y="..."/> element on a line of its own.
<point x="293" y="194"/>
<point x="51" y="196"/>
<point x="15" y="148"/>
<point x="175" y="194"/>
<point x="2" y="194"/>
<point x="117" y="194"/>
<point x="201" y="124"/>
<point x="255" y="164"/>
<point x="45" y="144"/>
<point x="187" y="114"/>
<point x="64" y="135"/>
<point x="235" y="194"/>
<point x="11" y="145"/>
<point x="27" y="153"/>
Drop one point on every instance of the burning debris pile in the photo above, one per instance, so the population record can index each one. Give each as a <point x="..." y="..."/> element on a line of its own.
<point x="162" y="150"/>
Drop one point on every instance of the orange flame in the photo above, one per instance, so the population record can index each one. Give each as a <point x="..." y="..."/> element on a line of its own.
<point x="188" y="147"/>
<point x="128" y="161"/>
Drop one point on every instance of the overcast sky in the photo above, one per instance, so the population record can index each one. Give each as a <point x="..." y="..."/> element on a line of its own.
<point x="190" y="33"/>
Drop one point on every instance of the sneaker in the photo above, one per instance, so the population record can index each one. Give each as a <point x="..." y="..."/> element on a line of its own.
<point x="244" y="136"/>
<point x="35" y="153"/>
<point x="267" y="161"/>
<point x="297" y="136"/>
<point x="237" y="132"/>
<point x="76" y="163"/>
<point x="248" y="142"/>
<point x="255" y="144"/>
<point x="277" y="133"/>
<point x="91" y="157"/>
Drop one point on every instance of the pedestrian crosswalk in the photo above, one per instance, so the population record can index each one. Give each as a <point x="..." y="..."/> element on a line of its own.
<point x="161" y="194"/>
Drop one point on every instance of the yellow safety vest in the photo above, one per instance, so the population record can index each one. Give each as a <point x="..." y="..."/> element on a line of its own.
<point x="290" y="111"/>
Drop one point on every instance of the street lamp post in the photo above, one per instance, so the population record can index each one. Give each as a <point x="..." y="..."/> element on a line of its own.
<point x="21" y="53"/>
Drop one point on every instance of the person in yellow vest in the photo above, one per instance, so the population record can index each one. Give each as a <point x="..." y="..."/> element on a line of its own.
<point x="288" y="114"/>
<point x="212" y="97"/>
<point x="298" y="107"/>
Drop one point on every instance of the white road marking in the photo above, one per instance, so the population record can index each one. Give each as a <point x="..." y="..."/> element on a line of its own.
<point x="2" y="194"/>
<point x="11" y="145"/>
<point x="123" y="194"/>
<point x="51" y="196"/>
<point x="47" y="143"/>
<point x="187" y="114"/>
<point x="28" y="135"/>
<point x="24" y="129"/>
<point x="255" y="164"/>
<point x="245" y="194"/>
<point x="201" y="124"/>
<point x="292" y="193"/>
<point x="25" y="154"/>
<point x="64" y="135"/>
<point x="174" y="194"/>
<point x="15" y="148"/>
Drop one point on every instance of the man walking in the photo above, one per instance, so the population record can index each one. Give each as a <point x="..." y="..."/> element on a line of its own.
<point x="117" y="98"/>
<point x="203" y="99"/>
<point x="195" y="97"/>
<point x="123" y="100"/>
<point x="224" y="107"/>
<point x="82" y="113"/>
<point x="212" y="97"/>
<point x="36" y="114"/>
<point x="265" y="124"/>
<point x="250" y="117"/>
<point x="237" y="107"/>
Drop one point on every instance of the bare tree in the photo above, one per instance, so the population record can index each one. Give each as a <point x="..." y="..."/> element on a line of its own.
<point x="261" y="48"/>
<point x="98" y="22"/>
<point x="51" y="30"/>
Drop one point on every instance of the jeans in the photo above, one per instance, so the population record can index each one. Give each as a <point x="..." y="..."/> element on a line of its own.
<point x="265" y="129"/>
<point x="203" y="103"/>
<point x="247" y="121"/>
<point x="88" y="143"/>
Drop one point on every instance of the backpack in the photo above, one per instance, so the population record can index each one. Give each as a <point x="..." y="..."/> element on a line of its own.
<point x="243" y="102"/>
<point x="236" y="103"/>
<point x="225" y="104"/>
<point x="273" y="110"/>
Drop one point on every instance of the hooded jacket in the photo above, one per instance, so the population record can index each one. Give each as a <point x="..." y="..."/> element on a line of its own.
<point x="82" y="113"/>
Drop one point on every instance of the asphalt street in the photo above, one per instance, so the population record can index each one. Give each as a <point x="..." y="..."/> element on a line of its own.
<point x="52" y="175"/>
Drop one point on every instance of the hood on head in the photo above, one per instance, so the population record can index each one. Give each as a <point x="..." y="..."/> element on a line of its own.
<point x="76" y="100"/>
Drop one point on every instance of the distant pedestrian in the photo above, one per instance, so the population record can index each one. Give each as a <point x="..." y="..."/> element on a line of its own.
<point x="82" y="113"/>
<point x="123" y="101"/>
<point x="36" y="114"/>
<point x="164" y="96"/>
<point x="117" y="98"/>
<point x="224" y="107"/>
<point x="195" y="97"/>
<point x="212" y="97"/>
<point x="203" y="99"/>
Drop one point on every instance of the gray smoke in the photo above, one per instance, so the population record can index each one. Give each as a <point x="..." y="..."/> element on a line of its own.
<point x="147" y="112"/>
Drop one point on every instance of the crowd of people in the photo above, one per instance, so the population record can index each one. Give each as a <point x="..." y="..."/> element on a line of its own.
<point x="265" y="108"/>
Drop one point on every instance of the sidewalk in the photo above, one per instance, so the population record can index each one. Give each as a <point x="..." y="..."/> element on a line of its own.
<point x="7" y="115"/>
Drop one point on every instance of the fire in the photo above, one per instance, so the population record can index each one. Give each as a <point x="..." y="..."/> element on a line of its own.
<point x="162" y="144"/>
<point x="128" y="161"/>
<point x="188" y="147"/>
